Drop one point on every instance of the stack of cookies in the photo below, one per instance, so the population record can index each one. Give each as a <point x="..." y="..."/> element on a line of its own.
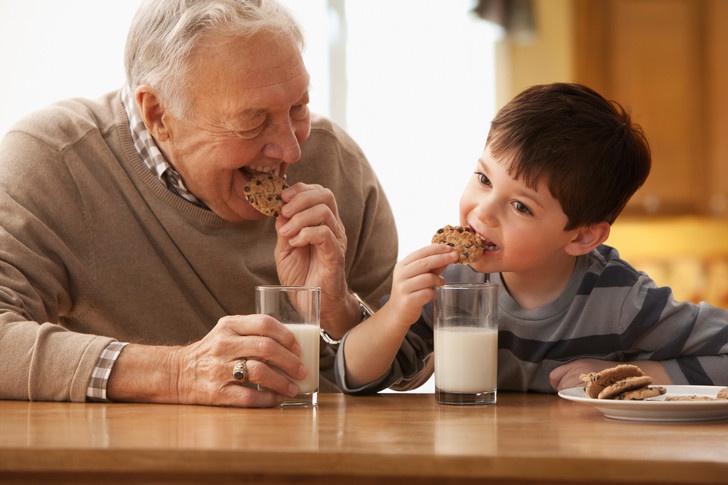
<point x="628" y="382"/>
<point x="624" y="382"/>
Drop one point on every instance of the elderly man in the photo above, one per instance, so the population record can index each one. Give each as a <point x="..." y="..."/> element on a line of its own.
<point x="128" y="251"/>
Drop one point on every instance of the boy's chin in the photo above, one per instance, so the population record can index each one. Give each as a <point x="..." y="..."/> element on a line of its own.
<point x="482" y="266"/>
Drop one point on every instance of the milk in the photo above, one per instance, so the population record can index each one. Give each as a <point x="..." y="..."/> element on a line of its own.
<point x="466" y="359"/>
<point x="307" y="337"/>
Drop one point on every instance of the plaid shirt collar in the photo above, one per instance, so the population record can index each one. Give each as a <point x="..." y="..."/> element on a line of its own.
<point x="150" y="153"/>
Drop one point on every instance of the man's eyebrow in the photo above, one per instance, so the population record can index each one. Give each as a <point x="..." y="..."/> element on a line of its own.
<point x="252" y="113"/>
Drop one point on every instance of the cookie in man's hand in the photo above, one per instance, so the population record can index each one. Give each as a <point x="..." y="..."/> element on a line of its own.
<point x="264" y="193"/>
<point x="466" y="242"/>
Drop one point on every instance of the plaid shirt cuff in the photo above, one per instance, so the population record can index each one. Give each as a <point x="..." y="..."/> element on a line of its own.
<point x="96" y="390"/>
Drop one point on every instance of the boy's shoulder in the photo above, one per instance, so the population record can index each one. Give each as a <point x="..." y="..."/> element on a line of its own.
<point x="603" y="267"/>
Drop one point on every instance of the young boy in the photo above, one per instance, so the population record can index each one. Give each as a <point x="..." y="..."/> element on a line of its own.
<point x="559" y="165"/>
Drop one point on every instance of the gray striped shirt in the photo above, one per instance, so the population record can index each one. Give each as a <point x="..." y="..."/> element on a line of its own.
<point x="608" y="311"/>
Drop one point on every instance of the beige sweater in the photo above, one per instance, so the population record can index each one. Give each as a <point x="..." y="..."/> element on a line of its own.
<point x="93" y="247"/>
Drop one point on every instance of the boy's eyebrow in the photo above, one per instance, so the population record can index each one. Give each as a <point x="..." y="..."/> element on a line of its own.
<point x="530" y="194"/>
<point x="524" y="191"/>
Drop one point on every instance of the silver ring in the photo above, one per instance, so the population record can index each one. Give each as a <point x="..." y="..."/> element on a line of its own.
<point x="240" y="371"/>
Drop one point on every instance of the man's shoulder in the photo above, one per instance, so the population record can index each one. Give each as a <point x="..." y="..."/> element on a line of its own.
<point x="330" y="154"/>
<point x="326" y="134"/>
<point x="66" y="122"/>
<point x="324" y="125"/>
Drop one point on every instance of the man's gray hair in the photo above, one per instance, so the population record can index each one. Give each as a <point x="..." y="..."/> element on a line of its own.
<point x="164" y="34"/>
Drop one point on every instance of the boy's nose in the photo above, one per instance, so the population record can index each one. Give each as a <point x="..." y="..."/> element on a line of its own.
<point x="487" y="213"/>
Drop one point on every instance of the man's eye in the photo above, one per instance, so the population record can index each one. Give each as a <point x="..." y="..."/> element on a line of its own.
<point x="482" y="178"/>
<point x="522" y="208"/>
<point x="248" y="134"/>
<point x="299" y="112"/>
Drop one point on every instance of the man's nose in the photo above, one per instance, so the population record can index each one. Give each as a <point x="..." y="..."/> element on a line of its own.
<point x="284" y="145"/>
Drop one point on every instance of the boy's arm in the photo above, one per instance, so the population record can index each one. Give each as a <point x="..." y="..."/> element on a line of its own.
<point x="371" y="347"/>
<point x="567" y="375"/>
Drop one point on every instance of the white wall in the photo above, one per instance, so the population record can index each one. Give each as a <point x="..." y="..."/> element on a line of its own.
<point x="51" y="50"/>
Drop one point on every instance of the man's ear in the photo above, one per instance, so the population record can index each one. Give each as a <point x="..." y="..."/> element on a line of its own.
<point x="152" y="111"/>
<point x="587" y="238"/>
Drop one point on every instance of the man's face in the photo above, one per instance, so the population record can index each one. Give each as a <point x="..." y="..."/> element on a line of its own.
<point x="250" y="113"/>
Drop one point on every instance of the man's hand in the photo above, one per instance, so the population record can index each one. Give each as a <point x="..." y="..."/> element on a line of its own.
<point x="311" y="251"/>
<point x="202" y="372"/>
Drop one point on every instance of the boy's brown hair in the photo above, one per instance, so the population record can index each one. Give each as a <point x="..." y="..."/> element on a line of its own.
<point x="592" y="154"/>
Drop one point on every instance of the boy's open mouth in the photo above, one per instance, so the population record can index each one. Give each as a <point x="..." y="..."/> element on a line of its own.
<point x="489" y="245"/>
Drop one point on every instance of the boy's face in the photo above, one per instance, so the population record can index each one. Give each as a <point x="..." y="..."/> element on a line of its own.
<point x="524" y="227"/>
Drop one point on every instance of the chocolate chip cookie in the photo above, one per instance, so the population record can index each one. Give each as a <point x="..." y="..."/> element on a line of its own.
<point x="264" y="193"/>
<point x="466" y="242"/>
<point x="596" y="382"/>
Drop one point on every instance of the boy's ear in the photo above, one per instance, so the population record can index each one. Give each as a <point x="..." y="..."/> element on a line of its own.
<point x="152" y="112"/>
<point x="587" y="238"/>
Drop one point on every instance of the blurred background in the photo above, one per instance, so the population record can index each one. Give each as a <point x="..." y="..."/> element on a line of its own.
<point x="411" y="80"/>
<point x="416" y="83"/>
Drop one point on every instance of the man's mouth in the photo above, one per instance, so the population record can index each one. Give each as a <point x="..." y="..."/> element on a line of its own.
<point x="252" y="170"/>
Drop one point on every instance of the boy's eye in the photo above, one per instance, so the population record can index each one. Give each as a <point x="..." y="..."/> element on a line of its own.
<point x="482" y="178"/>
<point x="522" y="208"/>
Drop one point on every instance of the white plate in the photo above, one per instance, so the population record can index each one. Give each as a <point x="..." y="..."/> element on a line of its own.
<point x="656" y="408"/>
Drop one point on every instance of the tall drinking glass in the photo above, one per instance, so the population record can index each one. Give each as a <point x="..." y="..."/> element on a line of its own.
<point x="298" y="308"/>
<point x="466" y="344"/>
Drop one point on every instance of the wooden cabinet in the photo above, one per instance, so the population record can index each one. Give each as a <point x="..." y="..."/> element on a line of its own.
<point x="666" y="61"/>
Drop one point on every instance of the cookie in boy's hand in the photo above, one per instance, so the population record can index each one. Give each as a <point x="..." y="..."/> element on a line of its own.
<point x="466" y="242"/>
<point x="264" y="193"/>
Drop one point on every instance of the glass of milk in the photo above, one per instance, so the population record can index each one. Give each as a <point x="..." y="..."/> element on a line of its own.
<point x="298" y="308"/>
<point x="466" y="344"/>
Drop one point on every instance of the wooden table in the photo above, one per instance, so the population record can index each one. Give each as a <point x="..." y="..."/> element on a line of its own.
<point x="403" y="438"/>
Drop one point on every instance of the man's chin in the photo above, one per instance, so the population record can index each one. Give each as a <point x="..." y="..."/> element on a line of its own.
<point x="243" y="213"/>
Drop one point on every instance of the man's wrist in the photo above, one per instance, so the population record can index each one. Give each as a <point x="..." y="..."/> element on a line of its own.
<point x="145" y="373"/>
<point x="97" y="385"/>
<point x="364" y="312"/>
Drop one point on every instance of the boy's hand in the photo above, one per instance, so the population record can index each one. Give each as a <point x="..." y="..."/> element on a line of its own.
<point x="567" y="376"/>
<point x="414" y="280"/>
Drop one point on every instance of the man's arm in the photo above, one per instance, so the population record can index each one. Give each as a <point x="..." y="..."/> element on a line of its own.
<point x="202" y="372"/>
